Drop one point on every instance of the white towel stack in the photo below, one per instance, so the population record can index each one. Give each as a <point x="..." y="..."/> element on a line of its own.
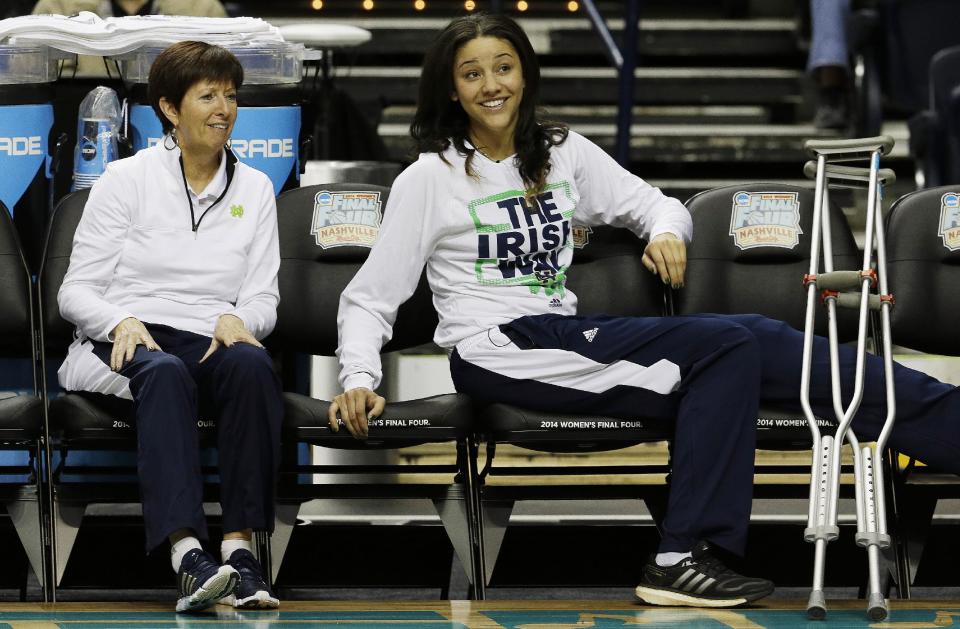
<point x="89" y="34"/>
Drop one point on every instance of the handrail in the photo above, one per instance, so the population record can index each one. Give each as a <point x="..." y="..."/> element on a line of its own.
<point x="624" y="59"/>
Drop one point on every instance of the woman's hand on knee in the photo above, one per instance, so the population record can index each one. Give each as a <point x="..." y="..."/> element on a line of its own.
<point x="126" y="336"/>
<point x="666" y="256"/>
<point x="355" y="407"/>
<point x="230" y="329"/>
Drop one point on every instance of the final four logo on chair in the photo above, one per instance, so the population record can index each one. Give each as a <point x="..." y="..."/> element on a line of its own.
<point x="950" y="220"/>
<point x="765" y="219"/>
<point x="346" y="218"/>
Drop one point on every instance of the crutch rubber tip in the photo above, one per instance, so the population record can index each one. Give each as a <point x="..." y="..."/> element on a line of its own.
<point x="817" y="606"/>
<point x="817" y="613"/>
<point x="876" y="608"/>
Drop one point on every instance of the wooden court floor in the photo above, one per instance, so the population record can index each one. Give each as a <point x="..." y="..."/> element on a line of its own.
<point x="475" y="615"/>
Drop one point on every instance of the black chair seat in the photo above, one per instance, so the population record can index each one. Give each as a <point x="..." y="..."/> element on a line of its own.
<point x="95" y="419"/>
<point x="537" y="430"/>
<point x="438" y="418"/>
<point x="558" y="432"/>
<point x="788" y="430"/>
<point x="21" y="417"/>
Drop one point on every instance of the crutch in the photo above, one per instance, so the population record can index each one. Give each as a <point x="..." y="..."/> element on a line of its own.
<point x="847" y="289"/>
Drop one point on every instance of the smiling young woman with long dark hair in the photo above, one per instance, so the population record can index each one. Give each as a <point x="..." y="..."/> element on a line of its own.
<point x="488" y="208"/>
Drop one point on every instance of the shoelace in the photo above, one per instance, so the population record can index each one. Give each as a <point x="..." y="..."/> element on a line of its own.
<point x="202" y="563"/>
<point x="710" y="565"/>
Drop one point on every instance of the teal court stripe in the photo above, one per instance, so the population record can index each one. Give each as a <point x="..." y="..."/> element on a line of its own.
<point x="719" y="619"/>
<point x="218" y="623"/>
<point x="213" y="615"/>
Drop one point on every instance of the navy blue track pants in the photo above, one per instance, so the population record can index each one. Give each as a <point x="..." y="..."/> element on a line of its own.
<point x="709" y="373"/>
<point x="171" y="391"/>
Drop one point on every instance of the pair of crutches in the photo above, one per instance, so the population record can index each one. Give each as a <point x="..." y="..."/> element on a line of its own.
<point x="836" y="165"/>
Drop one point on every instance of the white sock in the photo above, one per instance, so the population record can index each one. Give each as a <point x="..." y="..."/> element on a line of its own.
<point x="671" y="559"/>
<point x="227" y="547"/>
<point x="181" y="548"/>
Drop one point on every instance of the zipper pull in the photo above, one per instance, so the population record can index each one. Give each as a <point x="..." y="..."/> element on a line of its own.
<point x="194" y="232"/>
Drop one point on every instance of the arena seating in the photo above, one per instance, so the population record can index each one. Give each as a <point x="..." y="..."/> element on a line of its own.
<point x="935" y="132"/>
<point x="755" y="278"/>
<point x="923" y="259"/>
<point x="766" y="278"/>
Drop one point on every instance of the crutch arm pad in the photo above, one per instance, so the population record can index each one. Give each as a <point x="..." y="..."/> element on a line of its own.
<point x="850" y="176"/>
<point x="851" y="146"/>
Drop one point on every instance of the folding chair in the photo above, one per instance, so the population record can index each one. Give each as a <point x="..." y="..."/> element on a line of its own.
<point x="751" y="242"/>
<point x="21" y="412"/>
<point x="923" y="261"/>
<point x="935" y="132"/>
<point x="320" y="253"/>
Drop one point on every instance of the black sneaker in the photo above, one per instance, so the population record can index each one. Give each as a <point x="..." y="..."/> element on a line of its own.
<point x="699" y="581"/>
<point x="252" y="592"/>
<point x="202" y="582"/>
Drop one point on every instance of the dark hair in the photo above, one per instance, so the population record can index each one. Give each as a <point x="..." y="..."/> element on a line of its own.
<point x="439" y="120"/>
<point x="181" y="65"/>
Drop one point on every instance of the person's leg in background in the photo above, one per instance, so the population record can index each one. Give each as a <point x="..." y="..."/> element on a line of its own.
<point x="828" y="62"/>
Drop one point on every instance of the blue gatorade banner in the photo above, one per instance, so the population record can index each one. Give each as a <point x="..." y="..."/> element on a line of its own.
<point x="265" y="138"/>
<point x="24" y="134"/>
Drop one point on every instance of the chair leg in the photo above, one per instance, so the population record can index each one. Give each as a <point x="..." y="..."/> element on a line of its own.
<point x="285" y="518"/>
<point x="40" y="465"/>
<point x="24" y="514"/>
<point x="261" y="541"/>
<point x="900" y="552"/>
<point x="66" y="524"/>
<point x="467" y="454"/>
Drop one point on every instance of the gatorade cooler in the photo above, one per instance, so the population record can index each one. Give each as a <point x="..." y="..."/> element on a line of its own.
<point x="26" y="117"/>
<point x="267" y="132"/>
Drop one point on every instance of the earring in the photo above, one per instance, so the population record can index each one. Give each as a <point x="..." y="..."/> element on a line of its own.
<point x="172" y="136"/>
<point x="229" y="143"/>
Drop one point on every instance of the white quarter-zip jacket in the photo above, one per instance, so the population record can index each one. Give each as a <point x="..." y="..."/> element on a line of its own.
<point x="490" y="256"/>
<point x="138" y="252"/>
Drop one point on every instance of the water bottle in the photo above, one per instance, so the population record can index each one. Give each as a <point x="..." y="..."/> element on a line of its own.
<point x="97" y="127"/>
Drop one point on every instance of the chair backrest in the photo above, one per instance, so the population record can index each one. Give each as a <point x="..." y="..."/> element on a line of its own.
<point x="923" y="262"/>
<point x="751" y="249"/>
<point x="321" y="248"/>
<point x="915" y="31"/>
<point x="944" y="76"/>
<point x="58" y="332"/>
<point x="608" y="277"/>
<point x="945" y="100"/>
<point x="16" y="312"/>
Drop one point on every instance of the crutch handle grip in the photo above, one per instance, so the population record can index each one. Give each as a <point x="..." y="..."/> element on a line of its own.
<point x="845" y="280"/>
<point x="849" y="176"/>
<point x="852" y="300"/>
<point x="852" y="148"/>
